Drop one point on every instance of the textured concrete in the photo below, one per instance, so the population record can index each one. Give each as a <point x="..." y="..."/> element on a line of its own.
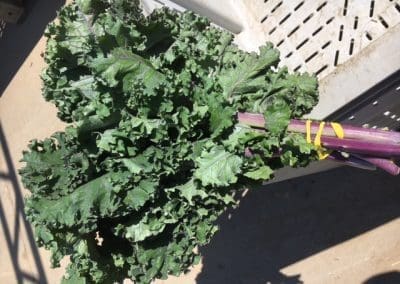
<point x="340" y="226"/>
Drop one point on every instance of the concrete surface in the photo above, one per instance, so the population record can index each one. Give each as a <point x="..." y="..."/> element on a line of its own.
<point x="340" y="226"/>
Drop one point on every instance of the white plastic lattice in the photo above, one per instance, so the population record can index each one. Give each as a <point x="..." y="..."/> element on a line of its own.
<point x="350" y="44"/>
<point x="316" y="36"/>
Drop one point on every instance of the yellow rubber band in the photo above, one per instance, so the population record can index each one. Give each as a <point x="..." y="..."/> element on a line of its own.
<point x="317" y="140"/>
<point x="322" y="152"/>
<point x="308" y="131"/>
<point x="338" y="129"/>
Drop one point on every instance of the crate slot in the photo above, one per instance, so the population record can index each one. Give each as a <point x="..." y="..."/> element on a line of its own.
<point x="297" y="68"/>
<point x="264" y="19"/>
<point x="383" y="22"/>
<point x="397" y="6"/>
<point x="340" y="33"/>
<point x="293" y="31"/>
<point x="326" y="44"/>
<point x="321" y="69"/>
<point x="330" y="20"/>
<point x="317" y="31"/>
<point x="371" y="8"/>
<point x="284" y="19"/>
<point x="299" y="5"/>
<point x="302" y="43"/>
<point x="355" y="22"/>
<point x="351" y="46"/>
<point x="289" y="54"/>
<point x="308" y="18"/>
<point x="311" y="56"/>
<point x="319" y="8"/>
<point x="345" y="7"/>
<point x="276" y="7"/>
<point x="335" y="63"/>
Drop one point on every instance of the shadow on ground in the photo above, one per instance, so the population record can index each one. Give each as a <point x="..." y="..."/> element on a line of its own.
<point x="18" y="40"/>
<point x="12" y="232"/>
<point x="289" y="221"/>
<point x="384" y="278"/>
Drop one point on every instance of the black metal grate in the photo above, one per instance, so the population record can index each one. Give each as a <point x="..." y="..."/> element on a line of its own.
<point x="2" y="27"/>
<point x="379" y="107"/>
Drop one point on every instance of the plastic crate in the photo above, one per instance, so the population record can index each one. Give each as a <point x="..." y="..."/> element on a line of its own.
<point x="353" y="46"/>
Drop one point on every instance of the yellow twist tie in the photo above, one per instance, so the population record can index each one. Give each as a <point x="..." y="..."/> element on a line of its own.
<point x="322" y="153"/>
<point x="317" y="139"/>
<point x="308" y="131"/>
<point x="338" y="129"/>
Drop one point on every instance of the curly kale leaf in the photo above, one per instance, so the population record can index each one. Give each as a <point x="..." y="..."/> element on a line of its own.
<point x="55" y="166"/>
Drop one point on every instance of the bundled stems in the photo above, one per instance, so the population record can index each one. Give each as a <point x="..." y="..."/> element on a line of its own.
<point x="361" y="147"/>
<point x="367" y="148"/>
<point x="351" y="132"/>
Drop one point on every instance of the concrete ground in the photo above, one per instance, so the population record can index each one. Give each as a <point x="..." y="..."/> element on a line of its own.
<point x="340" y="226"/>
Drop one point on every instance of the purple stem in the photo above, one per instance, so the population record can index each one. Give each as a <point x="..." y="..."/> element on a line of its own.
<point x="361" y="147"/>
<point x="384" y="164"/>
<point x="351" y="132"/>
<point x="363" y="144"/>
<point x="352" y="161"/>
<point x="248" y="153"/>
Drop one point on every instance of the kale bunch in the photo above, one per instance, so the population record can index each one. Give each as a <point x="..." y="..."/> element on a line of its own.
<point x="154" y="153"/>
